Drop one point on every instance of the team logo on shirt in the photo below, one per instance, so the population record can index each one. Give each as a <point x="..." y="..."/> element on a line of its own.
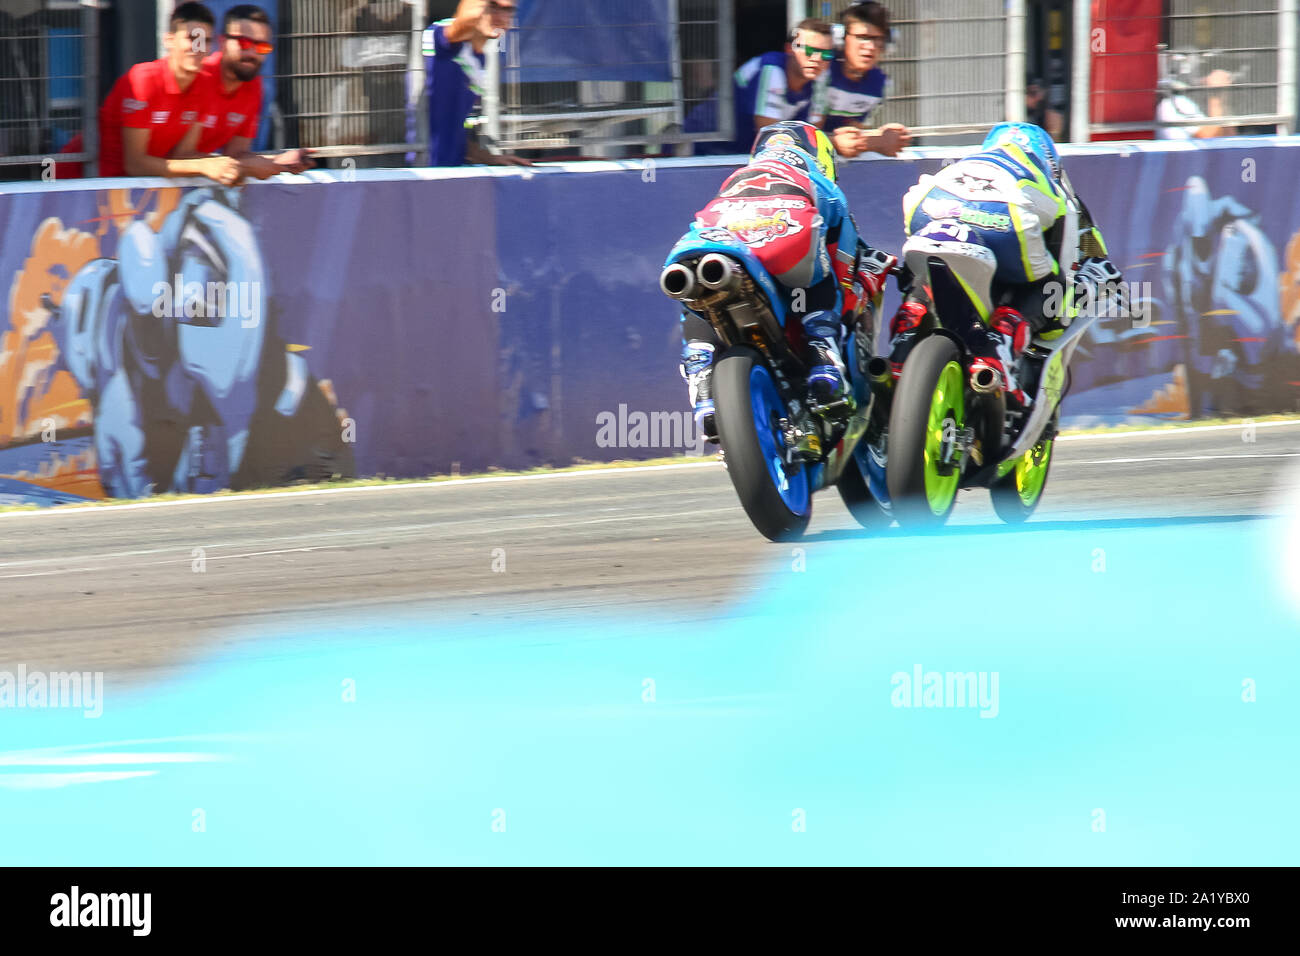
<point x="937" y="208"/>
<point x="975" y="184"/>
<point x="234" y="119"/>
<point x="133" y="106"/>
<point x="160" y="116"/>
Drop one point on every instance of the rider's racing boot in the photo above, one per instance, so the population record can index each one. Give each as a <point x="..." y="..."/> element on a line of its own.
<point x="827" y="378"/>
<point x="697" y="369"/>
<point x="1008" y="334"/>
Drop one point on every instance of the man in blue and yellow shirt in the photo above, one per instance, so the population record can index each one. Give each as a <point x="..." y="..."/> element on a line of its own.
<point x="454" y="70"/>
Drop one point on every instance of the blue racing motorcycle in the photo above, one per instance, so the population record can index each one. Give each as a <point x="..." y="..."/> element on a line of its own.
<point x="779" y="448"/>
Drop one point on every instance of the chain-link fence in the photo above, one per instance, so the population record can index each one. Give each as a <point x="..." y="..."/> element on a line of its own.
<point x="585" y="76"/>
<point x="1177" y="69"/>
<point x="48" y="94"/>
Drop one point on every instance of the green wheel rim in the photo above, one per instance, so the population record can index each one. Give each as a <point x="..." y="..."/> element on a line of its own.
<point x="1031" y="472"/>
<point x="947" y="415"/>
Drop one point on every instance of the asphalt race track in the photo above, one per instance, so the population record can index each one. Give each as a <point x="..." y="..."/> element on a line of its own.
<point x="344" y="678"/>
<point x="127" y="590"/>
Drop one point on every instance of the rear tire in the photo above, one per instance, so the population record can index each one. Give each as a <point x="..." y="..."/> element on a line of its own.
<point x="929" y="408"/>
<point x="747" y="403"/>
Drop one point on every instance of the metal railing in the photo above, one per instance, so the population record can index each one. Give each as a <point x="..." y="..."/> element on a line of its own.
<point x="629" y="78"/>
<point x="1171" y="68"/>
<point x="48" y="90"/>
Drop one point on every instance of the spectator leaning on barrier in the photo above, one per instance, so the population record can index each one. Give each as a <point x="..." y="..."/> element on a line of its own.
<point x="150" y="122"/>
<point x="779" y="86"/>
<point x="230" y="123"/>
<point x="454" y="68"/>
<point x="1175" y="106"/>
<point x="857" y="85"/>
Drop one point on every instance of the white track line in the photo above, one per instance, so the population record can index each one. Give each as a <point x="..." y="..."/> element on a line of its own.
<point x="1138" y="461"/>
<point x="106" y="759"/>
<point x="1148" y="432"/>
<point x="51" y="781"/>
<point x="396" y="486"/>
<point x="547" y="476"/>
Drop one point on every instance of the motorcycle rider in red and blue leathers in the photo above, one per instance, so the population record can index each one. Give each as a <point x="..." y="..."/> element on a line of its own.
<point x="786" y="207"/>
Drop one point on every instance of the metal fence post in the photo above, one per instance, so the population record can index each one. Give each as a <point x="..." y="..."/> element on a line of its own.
<point x="1081" y="73"/>
<point x="90" y="86"/>
<point x="726" y="71"/>
<point x="164" y="21"/>
<point x="415" y="104"/>
<point x="1286" y="65"/>
<point x="492" y="92"/>
<point x="1015" y="108"/>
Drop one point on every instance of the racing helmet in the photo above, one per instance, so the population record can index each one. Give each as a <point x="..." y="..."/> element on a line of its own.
<point x="795" y="134"/>
<point x="1034" y="140"/>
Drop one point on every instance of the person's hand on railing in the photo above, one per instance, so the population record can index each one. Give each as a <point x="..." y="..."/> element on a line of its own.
<point x="888" y="140"/>
<point x="222" y="169"/>
<point x="294" y="161"/>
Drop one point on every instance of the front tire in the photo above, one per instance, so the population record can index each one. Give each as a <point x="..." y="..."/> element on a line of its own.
<point x="929" y="409"/>
<point x="748" y="405"/>
<point x="857" y="497"/>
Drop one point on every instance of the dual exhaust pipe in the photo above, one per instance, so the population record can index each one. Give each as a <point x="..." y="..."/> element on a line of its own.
<point x="713" y="273"/>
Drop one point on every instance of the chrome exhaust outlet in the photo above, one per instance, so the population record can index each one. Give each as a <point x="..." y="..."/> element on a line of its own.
<point x="677" y="282"/>
<point x="985" y="380"/>
<point x="718" y="273"/>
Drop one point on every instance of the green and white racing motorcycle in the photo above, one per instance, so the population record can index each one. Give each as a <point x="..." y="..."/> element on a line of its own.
<point x="950" y="429"/>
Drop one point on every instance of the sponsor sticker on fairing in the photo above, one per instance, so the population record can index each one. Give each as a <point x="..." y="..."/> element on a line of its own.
<point x="716" y="235"/>
<point x="760" y="230"/>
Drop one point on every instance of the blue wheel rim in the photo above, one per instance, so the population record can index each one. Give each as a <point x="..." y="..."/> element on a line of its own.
<point x="767" y="408"/>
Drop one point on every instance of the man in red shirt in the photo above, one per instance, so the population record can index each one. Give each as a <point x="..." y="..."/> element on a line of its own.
<point x="230" y="125"/>
<point x="155" y="111"/>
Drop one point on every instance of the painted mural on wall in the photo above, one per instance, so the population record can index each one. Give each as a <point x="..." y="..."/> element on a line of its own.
<point x="1221" y="335"/>
<point x="491" y="321"/>
<point x="141" y="357"/>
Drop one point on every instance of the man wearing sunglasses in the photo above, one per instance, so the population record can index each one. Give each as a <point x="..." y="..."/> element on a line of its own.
<point x="230" y="123"/>
<point x="857" y="85"/>
<point x="149" y="122"/>
<point x="775" y="87"/>
<point x="455" y="67"/>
